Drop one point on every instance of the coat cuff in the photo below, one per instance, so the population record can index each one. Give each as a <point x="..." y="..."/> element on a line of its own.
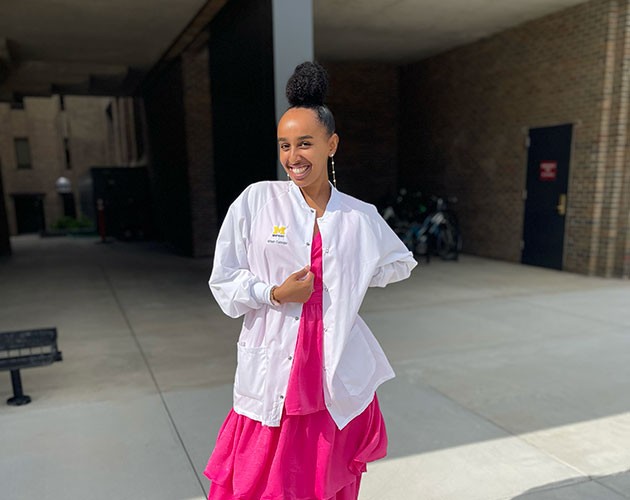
<point x="262" y="293"/>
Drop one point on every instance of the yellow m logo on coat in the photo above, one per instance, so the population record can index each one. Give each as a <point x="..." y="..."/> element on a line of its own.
<point x="279" y="230"/>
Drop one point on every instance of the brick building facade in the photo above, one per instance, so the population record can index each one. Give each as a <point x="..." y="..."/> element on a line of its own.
<point x="462" y="125"/>
<point x="466" y="115"/>
<point x="60" y="138"/>
<point x="455" y="123"/>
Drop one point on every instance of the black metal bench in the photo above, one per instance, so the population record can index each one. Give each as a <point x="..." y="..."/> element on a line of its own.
<point x="26" y="349"/>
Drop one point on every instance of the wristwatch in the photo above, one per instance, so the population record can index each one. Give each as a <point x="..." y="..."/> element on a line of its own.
<point x="272" y="297"/>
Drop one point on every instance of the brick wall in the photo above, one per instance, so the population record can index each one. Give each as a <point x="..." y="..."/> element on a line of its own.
<point x="465" y="116"/>
<point x="197" y="105"/>
<point x="39" y="122"/>
<point x="45" y="125"/>
<point x="364" y="100"/>
<point x="86" y="126"/>
<point x="611" y="256"/>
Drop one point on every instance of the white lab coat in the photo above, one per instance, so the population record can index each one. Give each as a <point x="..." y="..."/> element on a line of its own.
<point x="266" y="236"/>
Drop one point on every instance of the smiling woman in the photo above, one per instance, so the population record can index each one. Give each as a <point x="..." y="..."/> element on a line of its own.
<point x="306" y="418"/>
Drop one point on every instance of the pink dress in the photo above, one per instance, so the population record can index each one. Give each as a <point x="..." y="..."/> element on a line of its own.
<point x="307" y="457"/>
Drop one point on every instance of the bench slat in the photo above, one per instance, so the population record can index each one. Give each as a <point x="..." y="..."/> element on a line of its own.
<point x="27" y="361"/>
<point x="28" y="338"/>
<point x="16" y="348"/>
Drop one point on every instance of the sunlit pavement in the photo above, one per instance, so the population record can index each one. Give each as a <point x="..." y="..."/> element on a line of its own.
<point x="513" y="382"/>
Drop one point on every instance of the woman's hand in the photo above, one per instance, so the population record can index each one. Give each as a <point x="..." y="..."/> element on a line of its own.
<point x="298" y="287"/>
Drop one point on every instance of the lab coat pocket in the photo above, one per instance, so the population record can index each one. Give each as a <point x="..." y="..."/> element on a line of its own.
<point x="357" y="364"/>
<point x="251" y="371"/>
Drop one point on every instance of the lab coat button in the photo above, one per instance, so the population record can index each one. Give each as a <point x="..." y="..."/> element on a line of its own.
<point x="281" y="396"/>
<point x="296" y="318"/>
<point x="308" y="244"/>
<point x="290" y="358"/>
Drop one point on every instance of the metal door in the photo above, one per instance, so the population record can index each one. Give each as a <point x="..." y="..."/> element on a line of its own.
<point x="548" y="160"/>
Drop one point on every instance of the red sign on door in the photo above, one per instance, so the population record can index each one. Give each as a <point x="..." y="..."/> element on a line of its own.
<point x="548" y="171"/>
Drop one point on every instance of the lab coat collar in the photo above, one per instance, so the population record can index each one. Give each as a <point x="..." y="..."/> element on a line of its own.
<point x="331" y="206"/>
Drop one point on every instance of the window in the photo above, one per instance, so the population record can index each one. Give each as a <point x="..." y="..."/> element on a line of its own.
<point x="66" y="146"/>
<point x="23" y="153"/>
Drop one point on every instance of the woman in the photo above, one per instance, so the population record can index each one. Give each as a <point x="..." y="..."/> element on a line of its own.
<point x="296" y="258"/>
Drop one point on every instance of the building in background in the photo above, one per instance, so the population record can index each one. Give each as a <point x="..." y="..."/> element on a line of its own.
<point x="521" y="113"/>
<point x="49" y="144"/>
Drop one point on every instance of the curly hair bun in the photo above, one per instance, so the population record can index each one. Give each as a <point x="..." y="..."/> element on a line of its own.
<point x="308" y="85"/>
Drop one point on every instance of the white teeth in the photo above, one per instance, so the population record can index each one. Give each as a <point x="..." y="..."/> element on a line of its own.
<point x="298" y="170"/>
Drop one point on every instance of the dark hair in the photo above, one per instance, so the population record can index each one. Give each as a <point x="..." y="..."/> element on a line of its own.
<point x="307" y="88"/>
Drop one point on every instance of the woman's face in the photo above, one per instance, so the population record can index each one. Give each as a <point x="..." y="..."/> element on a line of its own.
<point x="304" y="147"/>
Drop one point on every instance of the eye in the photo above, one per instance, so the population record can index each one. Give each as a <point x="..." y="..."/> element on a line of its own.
<point x="305" y="144"/>
<point x="284" y="147"/>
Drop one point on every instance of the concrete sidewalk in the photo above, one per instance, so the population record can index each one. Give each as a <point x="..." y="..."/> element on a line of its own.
<point x="513" y="382"/>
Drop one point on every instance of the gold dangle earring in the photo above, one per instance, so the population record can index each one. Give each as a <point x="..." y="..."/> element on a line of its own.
<point x="332" y="164"/>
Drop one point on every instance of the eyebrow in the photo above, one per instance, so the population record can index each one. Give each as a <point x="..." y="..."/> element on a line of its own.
<point x="280" y="139"/>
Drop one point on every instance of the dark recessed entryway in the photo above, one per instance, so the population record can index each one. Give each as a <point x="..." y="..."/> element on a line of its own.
<point x="29" y="212"/>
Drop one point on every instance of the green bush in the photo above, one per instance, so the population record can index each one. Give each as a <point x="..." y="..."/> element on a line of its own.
<point x="85" y="222"/>
<point x="66" y="222"/>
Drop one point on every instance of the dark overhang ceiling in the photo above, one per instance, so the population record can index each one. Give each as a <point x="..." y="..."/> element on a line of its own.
<point x="107" y="46"/>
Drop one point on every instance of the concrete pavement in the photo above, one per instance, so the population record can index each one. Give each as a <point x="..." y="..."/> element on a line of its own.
<point x="513" y="382"/>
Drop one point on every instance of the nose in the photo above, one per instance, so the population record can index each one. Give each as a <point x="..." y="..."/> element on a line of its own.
<point x="294" y="155"/>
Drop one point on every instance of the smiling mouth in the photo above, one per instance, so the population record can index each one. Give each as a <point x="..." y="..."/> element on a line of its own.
<point x="299" y="171"/>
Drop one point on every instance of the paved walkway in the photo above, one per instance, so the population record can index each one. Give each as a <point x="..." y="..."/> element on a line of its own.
<point x="513" y="382"/>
